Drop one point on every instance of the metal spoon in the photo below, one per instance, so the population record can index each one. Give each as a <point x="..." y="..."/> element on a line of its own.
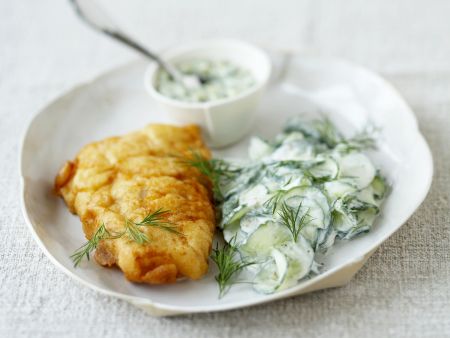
<point x="95" y="17"/>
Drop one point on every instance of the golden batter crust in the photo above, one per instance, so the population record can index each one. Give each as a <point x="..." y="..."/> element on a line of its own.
<point x="131" y="176"/>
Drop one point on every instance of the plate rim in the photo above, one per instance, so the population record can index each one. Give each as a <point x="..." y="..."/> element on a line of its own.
<point x="168" y="309"/>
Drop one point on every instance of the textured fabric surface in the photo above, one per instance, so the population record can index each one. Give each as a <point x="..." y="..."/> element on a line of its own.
<point x="403" y="290"/>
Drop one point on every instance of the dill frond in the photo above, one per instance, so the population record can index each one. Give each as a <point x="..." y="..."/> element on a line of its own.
<point x="273" y="201"/>
<point x="155" y="220"/>
<point x="214" y="169"/>
<point x="131" y="229"/>
<point x="134" y="233"/>
<point x="228" y="266"/>
<point x="292" y="220"/>
<point x="86" y="249"/>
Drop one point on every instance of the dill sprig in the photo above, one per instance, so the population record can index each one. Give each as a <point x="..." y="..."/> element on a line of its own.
<point x="131" y="229"/>
<point x="273" y="201"/>
<point x="292" y="220"/>
<point x="134" y="233"/>
<point x="228" y="266"/>
<point x="214" y="169"/>
<point x="86" y="249"/>
<point x="154" y="220"/>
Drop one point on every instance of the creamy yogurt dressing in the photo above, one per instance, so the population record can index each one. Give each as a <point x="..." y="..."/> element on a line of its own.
<point x="220" y="80"/>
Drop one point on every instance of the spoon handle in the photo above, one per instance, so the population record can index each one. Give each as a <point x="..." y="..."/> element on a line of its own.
<point x="117" y="35"/>
<point x="97" y="19"/>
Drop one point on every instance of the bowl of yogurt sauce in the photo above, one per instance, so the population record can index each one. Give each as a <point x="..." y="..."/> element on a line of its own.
<point x="233" y="77"/>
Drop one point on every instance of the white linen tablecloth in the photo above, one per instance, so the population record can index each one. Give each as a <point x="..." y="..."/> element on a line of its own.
<point x="403" y="291"/>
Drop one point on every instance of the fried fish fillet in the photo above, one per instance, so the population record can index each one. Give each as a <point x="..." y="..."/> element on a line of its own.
<point x="128" y="177"/>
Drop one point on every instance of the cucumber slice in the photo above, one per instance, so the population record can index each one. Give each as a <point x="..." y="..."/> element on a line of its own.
<point x="248" y="200"/>
<point x="365" y="221"/>
<point x="358" y="167"/>
<point x="343" y="222"/>
<point x="338" y="189"/>
<point x="352" y="216"/>
<point x="321" y="237"/>
<point x="375" y="192"/>
<point x="273" y="181"/>
<point x="300" y="258"/>
<point x="379" y="187"/>
<point x="300" y="125"/>
<point x="258" y="148"/>
<point x="264" y="239"/>
<point x="367" y="195"/>
<point x="313" y="201"/>
<point x="250" y="222"/>
<point x="234" y="215"/>
<point x="311" y="233"/>
<point x="298" y="150"/>
<point x="254" y="196"/>
<point x="325" y="168"/>
<point x="272" y="273"/>
<point x="247" y="176"/>
<point x="294" y="136"/>
<point x="294" y="182"/>
<point x="229" y="207"/>
<point x="326" y="239"/>
<point x="234" y="233"/>
<point x="284" y="177"/>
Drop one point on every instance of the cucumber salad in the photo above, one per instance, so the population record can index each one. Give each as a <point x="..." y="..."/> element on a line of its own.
<point x="295" y="197"/>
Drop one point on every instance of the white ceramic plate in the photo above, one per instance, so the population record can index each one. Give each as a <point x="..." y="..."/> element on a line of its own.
<point x="116" y="103"/>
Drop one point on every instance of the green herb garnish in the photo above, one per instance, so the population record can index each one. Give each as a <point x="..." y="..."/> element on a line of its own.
<point x="228" y="266"/>
<point x="273" y="201"/>
<point x="87" y="248"/>
<point x="134" y="233"/>
<point x="131" y="230"/>
<point x="154" y="220"/>
<point x="214" y="169"/>
<point x="292" y="220"/>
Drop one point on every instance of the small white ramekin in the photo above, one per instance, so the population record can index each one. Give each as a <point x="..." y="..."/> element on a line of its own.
<point x="225" y="121"/>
